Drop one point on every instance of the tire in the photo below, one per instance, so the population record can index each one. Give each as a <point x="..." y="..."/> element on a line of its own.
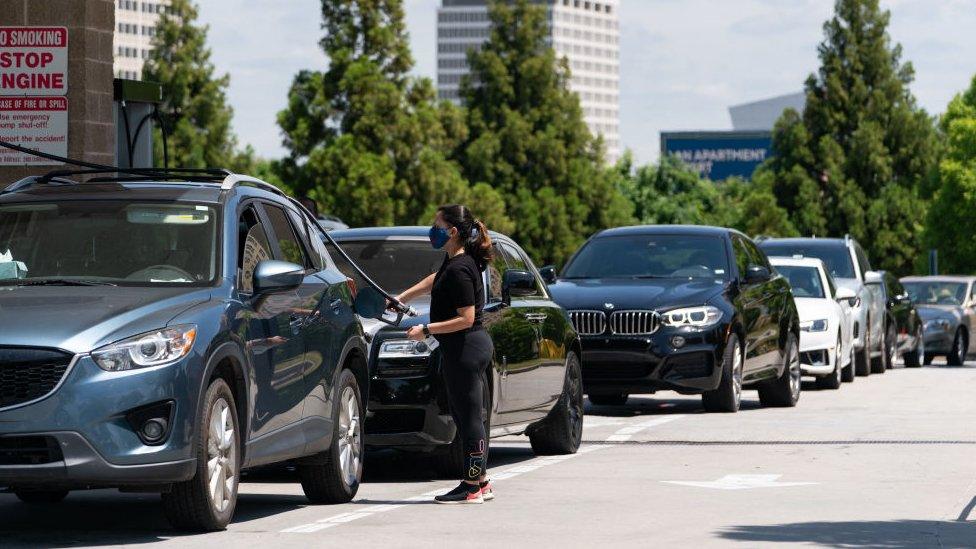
<point x="862" y="360"/>
<point x="847" y="376"/>
<point x="957" y="355"/>
<point x="784" y="391"/>
<point x="728" y="395"/>
<point x="562" y="430"/>
<point x="879" y="364"/>
<point x="928" y="359"/>
<point x="41" y="497"/>
<point x="916" y="357"/>
<point x="192" y="505"/>
<point x="833" y="380"/>
<point x="609" y="400"/>
<point x="333" y="476"/>
<point x="449" y="461"/>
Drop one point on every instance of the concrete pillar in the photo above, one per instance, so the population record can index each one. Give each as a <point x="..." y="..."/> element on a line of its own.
<point x="91" y="31"/>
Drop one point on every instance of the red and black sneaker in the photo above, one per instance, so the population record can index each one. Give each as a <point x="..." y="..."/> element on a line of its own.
<point x="464" y="493"/>
<point x="487" y="493"/>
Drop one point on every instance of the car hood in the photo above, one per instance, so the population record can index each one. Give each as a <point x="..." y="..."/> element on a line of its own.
<point x="79" y="319"/>
<point x="810" y="308"/>
<point x="597" y="293"/>
<point x="931" y="312"/>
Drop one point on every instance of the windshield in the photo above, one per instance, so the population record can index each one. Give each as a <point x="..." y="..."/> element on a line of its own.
<point x="936" y="293"/>
<point x="116" y="242"/>
<point x="650" y="256"/>
<point x="805" y="281"/>
<point x="393" y="264"/>
<point x="837" y="259"/>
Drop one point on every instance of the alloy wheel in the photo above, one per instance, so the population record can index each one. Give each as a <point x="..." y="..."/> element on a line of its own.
<point x="892" y="353"/>
<point x="350" y="437"/>
<point x="575" y="405"/>
<point x="221" y="456"/>
<point x="737" y="376"/>
<point x="920" y="347"/>
<point x="837" y="367"/>
<point x="795" y="374"/>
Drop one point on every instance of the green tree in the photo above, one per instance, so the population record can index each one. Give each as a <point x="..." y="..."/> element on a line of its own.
<point x="528" y="141"/>
<point x="951" y="223"/>
<point x="856" y="160"/>
<point x="195" y="114"/>
<point x="367" y="142"/>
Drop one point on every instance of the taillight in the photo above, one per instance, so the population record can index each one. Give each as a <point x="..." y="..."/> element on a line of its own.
<point x="351" y="284"/>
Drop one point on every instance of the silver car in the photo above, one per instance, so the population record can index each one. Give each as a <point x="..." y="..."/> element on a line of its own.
<point x="947" y="305"/>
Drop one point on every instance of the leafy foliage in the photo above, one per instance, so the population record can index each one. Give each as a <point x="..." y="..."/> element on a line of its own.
<point x="196" y="116"/>
<point x="856" y="161"/>
<point x="527" y="139"/>
<point x="951" y="222"/>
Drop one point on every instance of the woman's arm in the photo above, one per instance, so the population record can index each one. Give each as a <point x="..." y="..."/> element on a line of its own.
<point x="421" y="288"/>
<point x="463" y="321"/>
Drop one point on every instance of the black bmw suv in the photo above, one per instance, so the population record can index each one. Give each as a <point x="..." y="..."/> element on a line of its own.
<point x="685" y="308"/>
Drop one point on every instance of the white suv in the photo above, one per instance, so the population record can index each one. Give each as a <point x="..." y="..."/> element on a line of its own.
<point x="848" y="264"/>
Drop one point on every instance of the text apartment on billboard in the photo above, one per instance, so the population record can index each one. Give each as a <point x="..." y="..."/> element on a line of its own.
<point x="720" y="154"/>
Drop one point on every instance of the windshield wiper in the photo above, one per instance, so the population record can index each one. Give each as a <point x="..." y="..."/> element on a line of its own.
<point x="59" y="282"/>
<point x="650" y="276"/>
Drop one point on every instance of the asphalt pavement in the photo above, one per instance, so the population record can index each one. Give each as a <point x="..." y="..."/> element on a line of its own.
<point x="888" y="461"/>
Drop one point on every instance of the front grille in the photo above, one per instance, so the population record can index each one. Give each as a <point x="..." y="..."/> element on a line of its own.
<point x="32" y="450"/>
<point x="634" y="322"/>
<point x="631" y="370"/>
<point x="28" y="374"/>
<point x="589" y="322"/>
<point x="691" y="365"/>
<point x="387" y="422"/>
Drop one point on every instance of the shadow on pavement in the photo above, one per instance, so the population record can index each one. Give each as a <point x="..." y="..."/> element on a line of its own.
<point x="894" y="534"/>
<point x="651" y="406"/>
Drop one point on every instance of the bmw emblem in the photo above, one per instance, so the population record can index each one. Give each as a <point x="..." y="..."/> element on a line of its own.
<point x="608" y="305"/>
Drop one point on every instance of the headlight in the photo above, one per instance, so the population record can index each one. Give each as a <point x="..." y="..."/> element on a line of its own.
<point x="404" y="348"/>
<point x="155" y="348"/>
<point x="819" y="325"/>
<point x="937" y="324"/>
<point x="699" y="317"/>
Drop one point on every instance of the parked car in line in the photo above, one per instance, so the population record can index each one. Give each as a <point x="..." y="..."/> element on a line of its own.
<point x="164" y="335"/>
<point x="848" y="264"/>
<point x="826" y="323"/>
<point x="697" y="310"/>
<point x="947" y="307"/>
<point x="535" y="386"/>
<point x="903" y="325"/>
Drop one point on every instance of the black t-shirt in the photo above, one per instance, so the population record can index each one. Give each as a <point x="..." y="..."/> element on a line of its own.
<point x="457" y="284"/>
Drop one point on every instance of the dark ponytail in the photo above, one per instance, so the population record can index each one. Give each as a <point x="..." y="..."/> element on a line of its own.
<point x="477" y="241"/>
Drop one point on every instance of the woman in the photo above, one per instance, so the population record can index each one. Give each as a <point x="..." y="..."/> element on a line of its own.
<point x="457" y="298"/>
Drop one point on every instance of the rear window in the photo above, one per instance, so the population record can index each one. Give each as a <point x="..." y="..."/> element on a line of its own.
<point x="836" y="258"/>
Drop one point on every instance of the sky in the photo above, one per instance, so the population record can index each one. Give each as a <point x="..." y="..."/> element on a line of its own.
<point x="682" y="62"/>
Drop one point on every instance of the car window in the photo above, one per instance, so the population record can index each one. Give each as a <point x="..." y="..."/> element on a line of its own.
<point x="516" y="261"/>
<point x="496" y="268"/>
<point x="756" y="256"/>
<point x="289" y="245"/>
<point x="394" y="264"/>
<point x="805" y="281"/>
<point x="741" y="254"/>
<point x="253" y="247"/>
<point x="862" y="260"/>
<point x="894" y="287"/>
<point x="650" y="256"/>
<point x="311" y="241"/>
<point x="837" y="258"/>
<point x="831" y="285"/>
<point x="934" y="292"/>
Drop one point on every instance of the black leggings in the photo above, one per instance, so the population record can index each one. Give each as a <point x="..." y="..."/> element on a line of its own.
<point x="465" y="360"/>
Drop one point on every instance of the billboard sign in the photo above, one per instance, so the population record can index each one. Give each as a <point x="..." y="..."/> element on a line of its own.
<point x="33" y="61"/>
<point x="719" y="155"/>
<point x="38" y="123"/>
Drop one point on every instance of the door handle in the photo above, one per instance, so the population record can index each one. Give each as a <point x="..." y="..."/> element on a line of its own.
<point x="536" y="317"/>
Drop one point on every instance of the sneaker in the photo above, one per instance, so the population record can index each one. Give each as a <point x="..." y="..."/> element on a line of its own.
<point x="464" y="493"/>
<point x="486" y="492"/>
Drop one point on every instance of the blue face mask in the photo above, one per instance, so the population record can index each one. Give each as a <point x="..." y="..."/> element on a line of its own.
<point x="438" y="237"/>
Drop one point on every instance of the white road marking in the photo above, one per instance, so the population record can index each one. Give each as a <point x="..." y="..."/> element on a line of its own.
<point x="739" y="482"/>
<point x="505" y="474"/>
<point x="627" y="432"/>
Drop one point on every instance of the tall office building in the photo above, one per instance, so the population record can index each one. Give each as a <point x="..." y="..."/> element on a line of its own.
<point x="585" y="32"/>
<point x="135" y="26"/>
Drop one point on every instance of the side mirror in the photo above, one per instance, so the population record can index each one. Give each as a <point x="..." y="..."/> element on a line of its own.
<point x="369" y="303"/>
<point x="517" y="283"/>
<point x="846" y="294"/>
<point x="548" y="274"/>
<point x="277" y="276"/>
<point x="756" y="274"/>
<point x="873" y="277"/>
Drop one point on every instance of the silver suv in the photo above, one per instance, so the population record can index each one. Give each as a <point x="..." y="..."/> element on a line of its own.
<point x="849" y="265"/>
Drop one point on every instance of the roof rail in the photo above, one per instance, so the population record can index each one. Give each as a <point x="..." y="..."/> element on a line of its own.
<point x="234" y="179"/>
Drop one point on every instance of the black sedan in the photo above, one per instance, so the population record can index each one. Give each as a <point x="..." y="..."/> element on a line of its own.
<point x="690" y="309"/>
<point x="903" y="325"/>
<point x="536" y="383"/>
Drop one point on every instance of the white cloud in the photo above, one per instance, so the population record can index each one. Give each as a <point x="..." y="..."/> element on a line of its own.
<point x="683" y="62"/>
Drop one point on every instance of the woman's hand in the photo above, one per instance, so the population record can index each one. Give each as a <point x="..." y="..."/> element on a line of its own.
<point x="416" y="333"/>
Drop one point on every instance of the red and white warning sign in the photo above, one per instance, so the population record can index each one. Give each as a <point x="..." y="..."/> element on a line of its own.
<point x="37" y="123"/>
<point x="33" y="60"/>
